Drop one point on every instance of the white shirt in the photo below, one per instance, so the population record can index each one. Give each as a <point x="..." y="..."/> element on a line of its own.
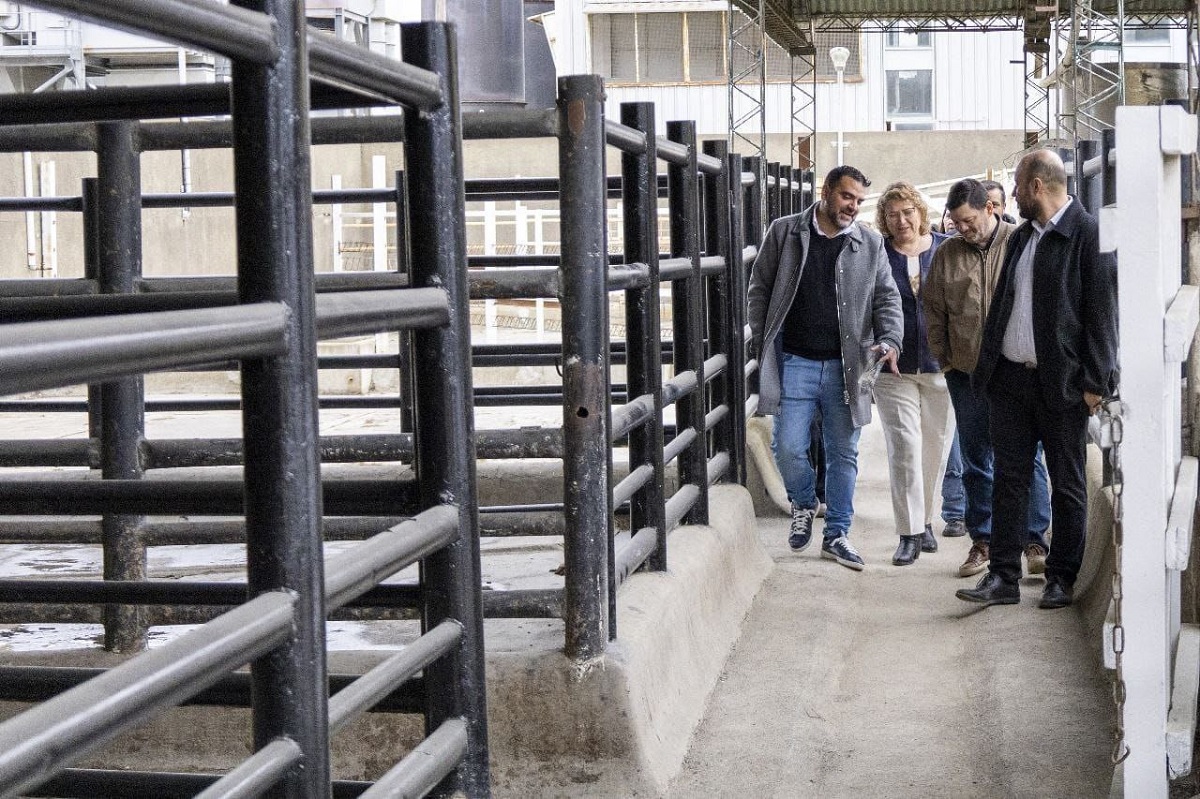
<point x="1018" y="345"/>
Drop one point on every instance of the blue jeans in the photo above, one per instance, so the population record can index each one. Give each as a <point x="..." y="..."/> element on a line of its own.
<point x="975" y="443"/>
<point x="809" y="387"/>
<point x="954" y="499"/>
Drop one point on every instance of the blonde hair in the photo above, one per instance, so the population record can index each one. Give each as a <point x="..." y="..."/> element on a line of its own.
<point x="901" y="191"/>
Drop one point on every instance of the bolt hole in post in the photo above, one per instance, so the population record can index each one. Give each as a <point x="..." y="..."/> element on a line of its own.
<point x="582" y="413"/>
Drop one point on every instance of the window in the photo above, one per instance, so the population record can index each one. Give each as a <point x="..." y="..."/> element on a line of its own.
<point x="1147" y="36"/>
<point x="692" y="46"/>
<point x="909" y="39"/>
<point x="909" y="92"/>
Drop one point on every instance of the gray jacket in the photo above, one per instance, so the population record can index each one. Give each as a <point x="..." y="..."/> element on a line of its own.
<point x="868" y="305"/>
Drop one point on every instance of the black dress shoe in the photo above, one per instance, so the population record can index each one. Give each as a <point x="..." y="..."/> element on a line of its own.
<point x="1056" y="594"/>
<point x="991" y="591"/>
<point x="908" y="551"/>
<point x="928" y="542"/>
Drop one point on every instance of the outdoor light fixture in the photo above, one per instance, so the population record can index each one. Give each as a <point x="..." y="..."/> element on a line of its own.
<point x="839" y="56"/>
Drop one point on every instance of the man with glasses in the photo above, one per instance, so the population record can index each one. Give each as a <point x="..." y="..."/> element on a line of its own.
<point x="956" y="298"/>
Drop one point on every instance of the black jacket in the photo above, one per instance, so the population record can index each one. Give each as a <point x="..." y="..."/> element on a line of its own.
<point x="1074" y="310"/>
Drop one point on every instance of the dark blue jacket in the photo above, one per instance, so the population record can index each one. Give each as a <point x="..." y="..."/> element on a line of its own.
<point x="915" y="355"/>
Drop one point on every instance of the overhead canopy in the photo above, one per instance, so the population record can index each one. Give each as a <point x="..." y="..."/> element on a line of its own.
<point x="791" y="23"/>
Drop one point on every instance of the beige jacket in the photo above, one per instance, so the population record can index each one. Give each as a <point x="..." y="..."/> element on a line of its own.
<point x="957" y="294"/>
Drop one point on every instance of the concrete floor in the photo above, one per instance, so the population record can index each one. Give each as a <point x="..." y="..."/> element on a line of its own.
<point x="882" y="683"/>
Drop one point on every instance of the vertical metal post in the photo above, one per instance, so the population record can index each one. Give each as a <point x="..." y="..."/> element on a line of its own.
<point x="90" y="212"/>
<point x="774" y="204"/>
<point x="735" y="318"/>
<point x="1090" y="191"/>
<point x="785" y="190"/>
<point x="122" y="422"/>
<point x="687" y="314"/>
<point x="445" y="453"/>
<point x="753" y="204"/>
<point x="643" y="337"/>
<point x="405" y="378"/>
<point x="279" y="394"/>
<point x="587" y="492"/>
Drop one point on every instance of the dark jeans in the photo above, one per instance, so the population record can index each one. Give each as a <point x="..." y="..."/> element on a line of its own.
<point x="1020" y="419"/>
<point x="954" y="498"/>
<point x="975" y="443"/>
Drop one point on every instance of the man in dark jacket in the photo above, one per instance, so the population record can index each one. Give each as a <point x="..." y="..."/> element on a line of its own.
<point x="1048" y="357"/>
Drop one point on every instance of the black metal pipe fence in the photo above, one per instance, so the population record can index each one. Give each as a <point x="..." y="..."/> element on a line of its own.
<point x="111" y="327"/>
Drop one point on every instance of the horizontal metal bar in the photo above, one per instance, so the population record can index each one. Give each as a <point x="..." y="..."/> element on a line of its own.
<point x="714" y="417"/>
<point x="359" y="312"/>
<point x="749" y="179"/>
<point x="155" y="497"/>
<point x="41" y="355"/>
<point x="751" y="405"/>
<point x="624" y="490"/>
<point x="356" y="67"/>
<point x="680" y="503"/>
<point x="41" y="203"/>
<point x="709" y="165"/>
<point x="624" y="138"/>
<point x="714" y="366"/>
<point x="749" y="253"/>
<point x="679" y="386"/>
<point x="218" y="134"/>
<point x="631" y="415"/>
<point x="255" y="775"/>
<point x="365" y="692"/>
<point x="670" y="269"/>
<point x="682" y="440"/>
<point x="634" y="553"/>
<point x="517" y="283"/>
<point x="623" y="277"/>
<point x="50" y="452"/>
<point x="75" y="783"/>
<point x="59" y="731"/>
<point x="65" y="138"/>
<point x="672" y="152"/>
<point x="428" y="764"/>
<point x="750" y="368"/>
<point x="718" y="466"/>
<point x="357" y="570"/>
<point x="213" y="27"/>
<point x="116" y="102"/>
<point x="712" y="265"/>
<point x="325" y="282"/>
<point x="532" y="603"/>
<point x="495" y="123"/>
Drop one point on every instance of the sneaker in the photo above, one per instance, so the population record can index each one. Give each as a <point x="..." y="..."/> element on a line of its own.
<point x="841" y="550"/>
<point x="1035" y="559"/>
<point x="954" y="528"/>
<point x="977" y="559"/>
<point x="800" y="535"/>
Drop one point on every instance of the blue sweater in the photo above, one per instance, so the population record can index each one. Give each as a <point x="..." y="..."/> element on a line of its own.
<point x="915" y="356"/>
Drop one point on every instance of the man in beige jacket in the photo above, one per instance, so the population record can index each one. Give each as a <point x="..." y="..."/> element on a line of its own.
<point x="956" y="297"/>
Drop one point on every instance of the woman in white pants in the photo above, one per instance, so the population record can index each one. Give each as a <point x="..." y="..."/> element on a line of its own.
<point x="914" y="405"/>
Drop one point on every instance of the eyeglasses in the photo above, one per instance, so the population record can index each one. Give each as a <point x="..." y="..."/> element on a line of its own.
<point x="907" y="213"/>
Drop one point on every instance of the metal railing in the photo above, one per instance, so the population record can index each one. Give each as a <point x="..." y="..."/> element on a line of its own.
<point x="112" y="330"/>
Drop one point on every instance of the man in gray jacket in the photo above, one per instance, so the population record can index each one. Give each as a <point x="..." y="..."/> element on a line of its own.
<point x="822" y="307"/>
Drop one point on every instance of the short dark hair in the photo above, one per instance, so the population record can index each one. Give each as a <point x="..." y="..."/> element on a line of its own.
<point x="969" y="191"/>
<point x="845" y="171"/>
<point x="990" y="185"/>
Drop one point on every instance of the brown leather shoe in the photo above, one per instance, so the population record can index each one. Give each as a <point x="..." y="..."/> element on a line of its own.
<point x="977" y="559"/>
<point x="1035" y="559"/>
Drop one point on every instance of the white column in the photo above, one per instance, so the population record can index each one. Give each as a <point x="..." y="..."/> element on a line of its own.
<point x="1144" y="228"/>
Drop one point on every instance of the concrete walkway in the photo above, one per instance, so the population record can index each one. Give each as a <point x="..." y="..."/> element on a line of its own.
<point x="882" y="683"/>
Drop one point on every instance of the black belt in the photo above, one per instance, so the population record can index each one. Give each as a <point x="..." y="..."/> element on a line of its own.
<point x="1022" y="364"/>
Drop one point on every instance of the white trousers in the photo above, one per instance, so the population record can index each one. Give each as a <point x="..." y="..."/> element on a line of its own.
<point x="918" y="426"/>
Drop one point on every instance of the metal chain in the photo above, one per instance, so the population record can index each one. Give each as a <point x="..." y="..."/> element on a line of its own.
<point x="1110" y="414"/>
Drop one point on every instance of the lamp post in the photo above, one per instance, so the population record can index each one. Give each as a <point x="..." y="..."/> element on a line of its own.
<point x="839" y="56"/>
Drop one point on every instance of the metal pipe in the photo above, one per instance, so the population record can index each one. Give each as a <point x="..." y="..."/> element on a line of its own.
<point x="681" y="503"/>
<point x="633" y="482"/>
<point x="586" y="474"/>
<point x="365" y="692"/>
<point x="443" y="402"/>
<point x="719" y="195"/>
<point x="359" y="68"/>
<point x="109" y="784"/>
<point x="355" y="571"/>
<point x="255" y="775"/>
<point x="427" y="765"/>
<point x="40" y="355"/>
<point x="683" y="439"/>
<point x="59" y="731"/>
<point x="639" y="548"/>
<point x="122" y="422"/>
<point x="626" y="136"/>
<point x="499" y="123"/>
<point x="116" y="103"/>
<point x="228" y="30"/>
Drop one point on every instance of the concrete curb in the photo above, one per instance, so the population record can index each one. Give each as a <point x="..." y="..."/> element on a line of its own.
<point x="762" y="474"/>
<point x="620" y="725"/>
